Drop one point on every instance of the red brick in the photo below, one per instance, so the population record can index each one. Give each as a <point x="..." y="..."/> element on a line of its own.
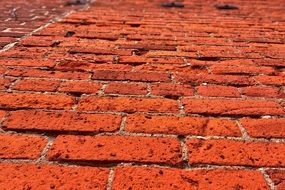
<point x="27" y="62"/>
<point x="168" y="89"/>
<point x="99" y="51"/>
<point x="266" y="128"/>
<point x="238" y="69"/>
<point x="260" y="91"/>
<point x="270" y="80"/>
<point x="116" y="149"/>
<point x="232" y="107"/>
<point x="21" y="146"/>
<point x="215" y="79"/>
<point x="130" y="75"/>
<point x="43" y="176"/>
<point x="181" y="125"/>
<point x="36" y="85"/>
<point x="278" y="178"/>
<point x="2" y="70"/>
<point x="129" y="105"/>
<point x="62" y="121"/>
<point x="29" y="72"/>
<point x="173" y="179"/>
<point x="80" y="87"/>
<point x="229" y="152"/>
<point x="16" y="101"/>
<point x="218" y="91"/>
<point x="126" y="88"/>
<point x="4" y="83"/>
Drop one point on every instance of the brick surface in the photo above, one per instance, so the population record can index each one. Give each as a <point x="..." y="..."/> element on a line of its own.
<point x="21" y="146"/>
<point x="162" y="178"/>
<point x="62" y="121"/>
<point x="264" y="127"/>
<point x="18" y="101"/>
<point x="116" y="149"/>
<point x="232" y="107"/>
<point x="129" y="105"/>
<point x="136" y="87"/>
<point x="228" y="152"/>
<point x="181" y="125"/>
<point x="43" y="176"/>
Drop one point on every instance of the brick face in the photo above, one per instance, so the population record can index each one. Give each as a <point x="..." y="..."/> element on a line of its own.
<point x="181" y="125"/>
<point x="163" y="178"/>
<point x="229" y="152"/>
<point x="43" y="176"/>
<point x="62" y="121"/>
<point x="116" y="149"/>
<point x="21" y="146"/>
<point x="126" y="104"/>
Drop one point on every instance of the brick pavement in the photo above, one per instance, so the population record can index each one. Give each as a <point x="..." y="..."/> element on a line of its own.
<point x="134" y="95"/>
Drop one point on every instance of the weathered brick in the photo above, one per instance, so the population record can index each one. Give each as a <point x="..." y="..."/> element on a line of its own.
<point x="36" y="85"/>
<point x="127" y="104"/>
<point x="62" y="121"/>
<point x="21" y="146"/>
<point x="173" y="179"/>
<point x="278" y="178"/>
<point x="218" y="91"/>
<point x="168" y="89"/>
<point x="116" y="149"/>
<point x="260" y="91"/>
<point x="99" y="51"/>
<point x="30" y="72"/>
<point x="80" y="87"/>
<point x="27" y="62"/>
<point x="232" y="107"/>
<point x="238" y="69"/>
<point x="126" y="88"/>
<point x="229" y="152"/>
<point x="2" y="114"/>
<point x="270" y="80"/>
<point x="181" y="125"/>
<point x="5" y="83"/>
<point x="27" y="100"/>
<point x="131" y="75"/>
<point x="43" y="176"/>
<point x="266" y="128"/>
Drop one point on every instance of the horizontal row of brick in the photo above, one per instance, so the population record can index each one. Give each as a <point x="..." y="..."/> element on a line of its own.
<point x="136" y="88"/>
<point x="63" y="122"/>
<point x="139" y="149"/>
<point x="217" y="106"/>
<point x="83" y="177"/>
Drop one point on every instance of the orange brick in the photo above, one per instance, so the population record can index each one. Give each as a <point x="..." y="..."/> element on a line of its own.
<point x="218" y="91"/>
<point x="27" y="100"/>
<point x="259" y="91"/>
<point x="125" y="104"/>
<point x="30" y="72"/>
<point x="21" y="146"/>
<point x="80" y="87"/>
<point x="238" y="69"/>
<point x="173" y="179"/>
<point x="116" y="149"/>
<point x="232" y="107"/>
<point x="27" y="62"/>
<point x="229" y="152"/>
<point x="4" y="83"/>
<point x="43" y="176"/>
<point x="36" y="85"/>
<point x="271" y="80"/>
<point x="181" y="125"/>
<point x="131" y="75"/>
<point x="266" y="128"/>
<point x="278" y="178"/>
<point x="2" y="114"/>
<point x="62" y="121"/>
<point x="168" y="89"/>
<point x="126" y="88"/>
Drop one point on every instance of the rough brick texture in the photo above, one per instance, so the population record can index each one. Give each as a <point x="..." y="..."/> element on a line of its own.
<point x="142" y="94"/>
